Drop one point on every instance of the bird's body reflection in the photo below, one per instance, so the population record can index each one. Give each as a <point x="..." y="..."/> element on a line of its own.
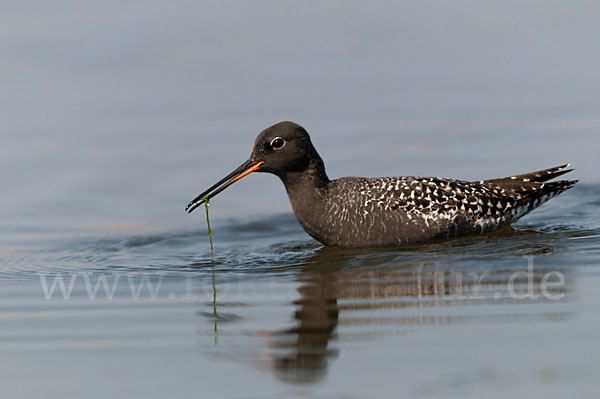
<point x="335" y="297"/>
<point x="349" y="295"/>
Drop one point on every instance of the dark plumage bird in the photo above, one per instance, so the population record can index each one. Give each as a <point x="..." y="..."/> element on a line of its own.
<point x="363" y="212"/>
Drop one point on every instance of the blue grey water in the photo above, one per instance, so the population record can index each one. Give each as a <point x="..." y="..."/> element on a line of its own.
<point x="113" y="115"/>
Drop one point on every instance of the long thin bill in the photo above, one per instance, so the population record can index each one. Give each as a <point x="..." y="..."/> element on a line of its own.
<point x="243" y="170"/>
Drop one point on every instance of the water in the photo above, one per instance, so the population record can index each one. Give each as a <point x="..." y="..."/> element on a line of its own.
<point x="283" y="316"/>
<point x="115" y="116"/>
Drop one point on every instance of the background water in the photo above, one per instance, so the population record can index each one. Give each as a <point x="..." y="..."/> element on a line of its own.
<point x="113" y="115"/>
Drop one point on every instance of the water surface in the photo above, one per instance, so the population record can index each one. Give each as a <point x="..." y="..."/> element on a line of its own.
<point x="283" y="316"/>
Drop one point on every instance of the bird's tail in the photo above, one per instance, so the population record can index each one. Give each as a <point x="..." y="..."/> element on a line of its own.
<point x="540" y="176"/>
<point x="534" y="188"/>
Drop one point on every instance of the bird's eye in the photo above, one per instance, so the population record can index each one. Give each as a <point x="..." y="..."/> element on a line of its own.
<point x="277" y="143"/>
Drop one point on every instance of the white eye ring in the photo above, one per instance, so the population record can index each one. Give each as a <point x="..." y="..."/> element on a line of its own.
<point x="280" y="146"/>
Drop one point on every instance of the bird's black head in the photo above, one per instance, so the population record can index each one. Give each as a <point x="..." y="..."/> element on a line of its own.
<point x="282" y="148"/>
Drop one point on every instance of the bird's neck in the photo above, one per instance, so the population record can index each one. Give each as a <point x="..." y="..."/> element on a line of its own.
<point x="307" y="190"/>
<point x="308" y="179"/>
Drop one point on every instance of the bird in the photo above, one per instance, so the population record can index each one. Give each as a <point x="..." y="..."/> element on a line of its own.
<point x="355" y="212"/>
